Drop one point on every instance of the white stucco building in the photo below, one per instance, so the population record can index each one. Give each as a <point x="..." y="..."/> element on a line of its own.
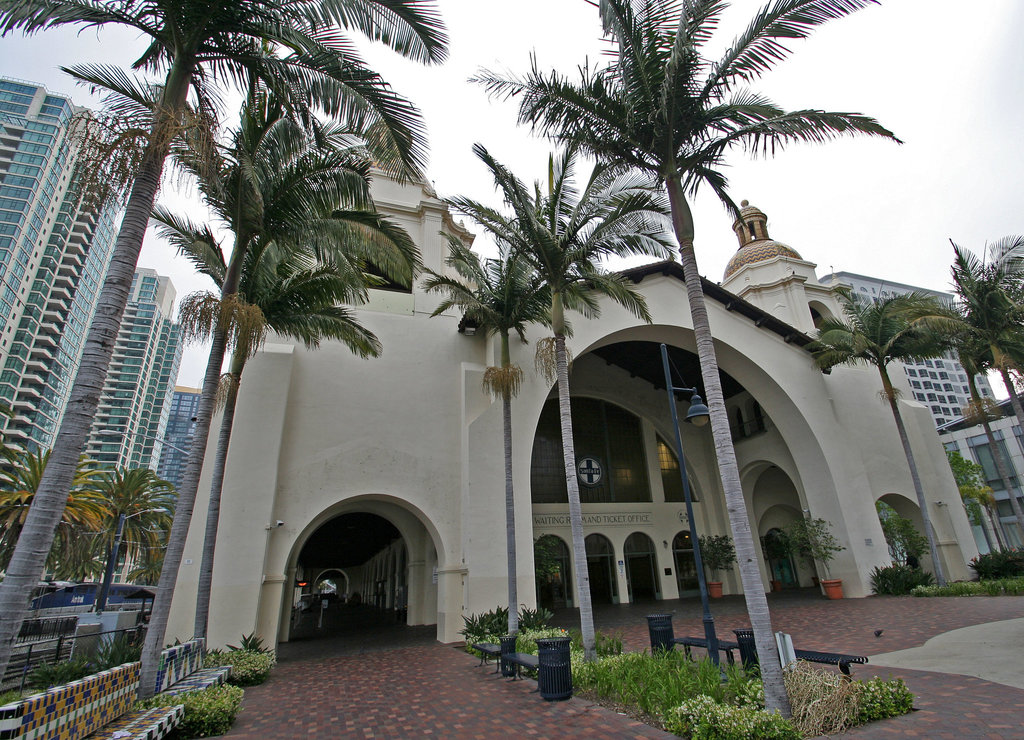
<point x="388" y="474"/>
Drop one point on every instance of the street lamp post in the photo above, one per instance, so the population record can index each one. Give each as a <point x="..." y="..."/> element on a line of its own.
<point x="698" y="415"/>
<point x="108" y="574"/>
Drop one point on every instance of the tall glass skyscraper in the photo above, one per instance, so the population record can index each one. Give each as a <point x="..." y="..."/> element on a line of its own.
<point x="54" y="252"/>
<point x="181" y="428"/>
<point x="136" y="399"/>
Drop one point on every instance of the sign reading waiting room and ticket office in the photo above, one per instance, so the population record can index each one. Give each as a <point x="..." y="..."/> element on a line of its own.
<point x="617" y="519"/>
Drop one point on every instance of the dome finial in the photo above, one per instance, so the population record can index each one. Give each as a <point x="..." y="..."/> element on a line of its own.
<point x="744" y="203"/>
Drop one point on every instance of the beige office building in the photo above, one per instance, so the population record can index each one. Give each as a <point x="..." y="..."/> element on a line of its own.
<point x="386" y="475"/>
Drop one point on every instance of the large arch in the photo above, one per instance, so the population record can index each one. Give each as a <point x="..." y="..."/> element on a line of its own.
<point x="424" y="559"/>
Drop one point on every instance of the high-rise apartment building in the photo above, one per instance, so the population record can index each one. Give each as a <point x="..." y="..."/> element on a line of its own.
<point x="939" y="384"/>
<point x="54" y="253"/>
<point x="136" y="399"/>
<point x="181" y="428"/>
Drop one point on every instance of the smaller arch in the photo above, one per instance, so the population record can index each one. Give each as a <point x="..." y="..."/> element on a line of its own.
<point x="819" y="312"/>
<point x="553" y="572"/>
<point x="604" y="586"/>
<point x="641" y="567"/>
<point x="686" y="564"/>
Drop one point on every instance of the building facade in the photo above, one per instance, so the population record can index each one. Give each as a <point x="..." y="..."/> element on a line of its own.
<point x="181" y="428"/>
<point x="387" y="475"/>
<point x="941" y="383"/>
<point x="973" y="444"/>
<point x="54" y="253"/>
<point x="136" y="400"/>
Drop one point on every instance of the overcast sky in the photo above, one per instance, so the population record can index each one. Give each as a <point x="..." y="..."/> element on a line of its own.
<point x="944" y="77"/>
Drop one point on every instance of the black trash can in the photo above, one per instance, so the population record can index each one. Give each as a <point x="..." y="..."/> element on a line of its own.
<point x="660" y="628"/>
<point x="554" y="671"/>
<point x="748" y="650"/>
<point x="508" y="645"/>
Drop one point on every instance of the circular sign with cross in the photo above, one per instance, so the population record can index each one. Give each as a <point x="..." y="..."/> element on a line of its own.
<point x="589" y="471"/>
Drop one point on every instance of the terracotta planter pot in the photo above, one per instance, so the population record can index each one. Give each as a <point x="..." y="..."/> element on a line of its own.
<point x="833" y="588"/>
<point x="715" y="589"/>
<point x="776" y="586"/>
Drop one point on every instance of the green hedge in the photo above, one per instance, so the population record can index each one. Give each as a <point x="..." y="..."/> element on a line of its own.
<point x="248" y="668"/>
<point x="702" y="718"/>
<point x="207" y="713"/>
<point x="898" y="580"/>
<point x="1002" y="587"/>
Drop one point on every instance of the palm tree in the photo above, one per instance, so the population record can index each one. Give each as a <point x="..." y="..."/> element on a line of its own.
<point x="500" y="296"/>
<point x="661" y="108"/>
<point x="561" y="235"/>
<point x="279" y="187"/>
<point x="990" y="323"/>
<point x="146" y="502"/>
<point x="194" y="44"/>
<point x="878" y="333"/>
<point x="83" y="514"/>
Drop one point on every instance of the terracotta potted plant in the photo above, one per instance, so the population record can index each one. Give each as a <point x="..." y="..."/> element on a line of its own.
<point x="718" y="553"/>
<point x="813" y="539"/>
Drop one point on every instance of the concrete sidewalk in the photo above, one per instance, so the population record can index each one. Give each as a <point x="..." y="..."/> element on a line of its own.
<point x="991" y="651"/>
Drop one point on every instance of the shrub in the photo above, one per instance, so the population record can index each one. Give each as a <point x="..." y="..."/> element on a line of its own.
<point x="526" y="641"/>
<point x="489" y="626"/>
<point x="999" y="564"/>
<point x="897" y="580"/>
<point x="878" y="698"/>
<point x="605" y="645"/>
<point x="122" y="649"/>
<point x="1005" y="586"/>
<point x="534" y="619"/>
<point x="54" y="674"/>
<point x="654" y="683"/>
<point x="252" y="643"/>
<point x="702" y="718"/>
<point x="823" y="702"/>
<point x="717" y="552"/>
<point x="9" y="697"/>
<point x="207" y="713"/>
<point x="248" y="668"/>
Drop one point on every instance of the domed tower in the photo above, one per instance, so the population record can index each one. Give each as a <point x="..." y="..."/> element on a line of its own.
<point x="773" y="276"/>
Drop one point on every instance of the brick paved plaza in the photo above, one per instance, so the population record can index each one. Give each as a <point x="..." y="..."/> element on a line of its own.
<point x="380" y="680"/>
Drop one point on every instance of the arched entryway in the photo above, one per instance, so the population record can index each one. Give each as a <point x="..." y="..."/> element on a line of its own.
<point x="601" y="568"/>
<point x="553" y="572"/>
<point x="641" y="568"/>
<point x="387" y="556"/>
<point x="686" y="565"/>
<point x="891" y="507"/>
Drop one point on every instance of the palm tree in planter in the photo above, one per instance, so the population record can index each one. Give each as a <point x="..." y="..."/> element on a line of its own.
<point x="718" y="554"/>
<point x="500" y="296"/>
<point x="562" y="234"/>
<point x="878" y="333"/>
<point x="195" y="45"/>
<point x="662" y="108"/>
<point x="813" y="539"/>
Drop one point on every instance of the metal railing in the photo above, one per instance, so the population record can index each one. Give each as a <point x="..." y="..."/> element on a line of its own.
<point x="29" y="656"/>
<point x="36" y="630"/>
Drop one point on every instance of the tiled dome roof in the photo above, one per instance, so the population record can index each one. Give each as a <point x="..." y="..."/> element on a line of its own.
<point x="755" y="245"/>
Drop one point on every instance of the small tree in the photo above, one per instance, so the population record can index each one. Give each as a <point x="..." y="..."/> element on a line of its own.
<point x="902" y="537"/>
<point x="717" y="552"/>
<point x="813" y="539"/>
<point x="977" y="496"/>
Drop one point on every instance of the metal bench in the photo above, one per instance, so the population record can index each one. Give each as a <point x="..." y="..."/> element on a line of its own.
<point x="723" y="645"/>
<point x="521" y="661"/>
<point x="839" y="659"/>
<point x="94" y="707"/>
<point x="487" y="651"/>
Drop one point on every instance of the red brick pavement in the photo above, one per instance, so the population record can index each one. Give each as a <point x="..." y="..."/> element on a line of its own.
<point x="334" y="688"/>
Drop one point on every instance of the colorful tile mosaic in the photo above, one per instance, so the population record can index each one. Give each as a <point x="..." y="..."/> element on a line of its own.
<point x="75" y="710"/>
<point x="178" y="662"/>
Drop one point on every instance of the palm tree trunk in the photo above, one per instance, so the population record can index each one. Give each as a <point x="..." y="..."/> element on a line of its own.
<point x="922" y="503"/>
<point x="986" y="527"/>
<point x="189" y="486"/>
<point x="579" y="548"/>
<point x="510" y="516"/>
<point x="997" y="526"/>
<point x="775" y="694"/>
<point x="216" y="488"/>
<point x="29" y="557"/>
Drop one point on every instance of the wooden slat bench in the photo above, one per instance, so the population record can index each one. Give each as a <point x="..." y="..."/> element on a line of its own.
<point x="181" y="669"/>
<point x="94" y="707"/>
<point x="724" y="646"/>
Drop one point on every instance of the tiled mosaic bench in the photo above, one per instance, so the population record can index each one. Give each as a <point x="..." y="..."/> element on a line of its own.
<point x="180" y="669"/>
<point x="97" y="707"/>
